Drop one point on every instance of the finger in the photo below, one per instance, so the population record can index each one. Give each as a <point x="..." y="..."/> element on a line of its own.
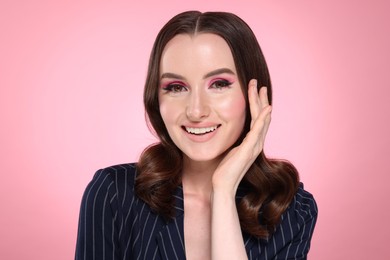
<point x="253" y="143"/>
<point x="262" y="122"/>
<point x="263" y="93"/>
<point x="254" y="101"/>
<point x="266" y="109"/>
<point x="267" y="118"/>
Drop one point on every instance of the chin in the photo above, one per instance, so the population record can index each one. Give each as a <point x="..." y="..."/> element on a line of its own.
<point x="204" y="158"/>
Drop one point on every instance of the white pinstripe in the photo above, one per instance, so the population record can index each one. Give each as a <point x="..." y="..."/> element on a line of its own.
<point x="110" y="208"/>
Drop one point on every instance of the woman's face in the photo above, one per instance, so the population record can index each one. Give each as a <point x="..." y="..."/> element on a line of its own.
<point x="200" y="97"/>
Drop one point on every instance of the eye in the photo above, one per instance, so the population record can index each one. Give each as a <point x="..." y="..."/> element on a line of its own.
<point x="220" y="84"/>
<point x="174" y="88"/>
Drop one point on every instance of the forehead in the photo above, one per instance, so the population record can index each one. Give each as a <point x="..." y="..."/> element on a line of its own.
<point x="204" y="51"/>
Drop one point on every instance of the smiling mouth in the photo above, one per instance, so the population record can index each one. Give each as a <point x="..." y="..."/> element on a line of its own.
<point x="200" y="130"/>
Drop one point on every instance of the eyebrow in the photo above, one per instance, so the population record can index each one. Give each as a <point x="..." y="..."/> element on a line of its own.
<point x="210" y="74"/>
<point x="218" y="71"/>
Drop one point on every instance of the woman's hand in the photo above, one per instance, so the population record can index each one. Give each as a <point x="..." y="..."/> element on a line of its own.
<point x="236" y="163"/>
<point x="226" y="238"/>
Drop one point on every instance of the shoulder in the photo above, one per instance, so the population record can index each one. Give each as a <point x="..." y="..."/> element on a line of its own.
<point x="121" y="173"/>
<point x="301" y="215"/>
<point x="292" y="237"/>
<point x="111" y="182"/>
<point x="303" y="206"/>
<point x="107" y="202"/>
<point x="297" y="225"/>
<point x="116" y="171"/>
<point x="125" y="170"/>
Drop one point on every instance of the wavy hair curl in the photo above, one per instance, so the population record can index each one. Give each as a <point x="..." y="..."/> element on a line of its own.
<point x="269" y="184"/>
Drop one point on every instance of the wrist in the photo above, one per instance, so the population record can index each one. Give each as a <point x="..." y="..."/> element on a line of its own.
<point x="223" y="195"/>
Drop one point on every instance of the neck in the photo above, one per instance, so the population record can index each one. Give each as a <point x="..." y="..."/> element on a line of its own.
<point x="197" y="176"/>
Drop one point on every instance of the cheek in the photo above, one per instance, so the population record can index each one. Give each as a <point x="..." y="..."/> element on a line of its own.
<point x="168" y="111"/>
<point x="164" y="111"/>
<point x="233" y="109"/>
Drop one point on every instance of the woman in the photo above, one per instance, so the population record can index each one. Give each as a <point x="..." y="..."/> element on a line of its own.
<point x="206" y="190"/>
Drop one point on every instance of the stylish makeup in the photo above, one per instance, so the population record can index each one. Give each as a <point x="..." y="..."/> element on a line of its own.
<point x="200" y="97"/>
<point x="174" y="86"/>
<point x="220" y="83"/>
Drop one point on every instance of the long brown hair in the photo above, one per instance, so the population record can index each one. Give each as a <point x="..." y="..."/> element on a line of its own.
<point x="269" y="184"/>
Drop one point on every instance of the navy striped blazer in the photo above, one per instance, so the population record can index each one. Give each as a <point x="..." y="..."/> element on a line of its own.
<point x="115" y="224"/>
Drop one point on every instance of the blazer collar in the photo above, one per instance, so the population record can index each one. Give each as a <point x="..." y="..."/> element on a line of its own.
<point x="170" y="238"/>
<point x="179" y="201"/>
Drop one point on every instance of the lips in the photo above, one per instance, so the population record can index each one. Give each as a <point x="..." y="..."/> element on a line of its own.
<point x="200" y="130"/>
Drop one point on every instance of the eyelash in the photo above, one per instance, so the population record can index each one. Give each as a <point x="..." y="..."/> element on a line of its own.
<point x="223" y="82"/>
<point x="178" y="87"/>
<point x="173" y="87"/>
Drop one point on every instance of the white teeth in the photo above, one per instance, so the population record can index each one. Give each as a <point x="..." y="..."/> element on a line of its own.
<point x="200" y="131"/>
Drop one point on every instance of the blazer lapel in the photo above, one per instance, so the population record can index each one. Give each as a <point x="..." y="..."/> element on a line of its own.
<point x="170" y="239"/>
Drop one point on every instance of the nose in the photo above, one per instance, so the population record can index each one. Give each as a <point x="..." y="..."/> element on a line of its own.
<point x="197" y="107"/>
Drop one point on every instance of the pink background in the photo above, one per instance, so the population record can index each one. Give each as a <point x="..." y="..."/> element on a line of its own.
<point x="71" y="77"/>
